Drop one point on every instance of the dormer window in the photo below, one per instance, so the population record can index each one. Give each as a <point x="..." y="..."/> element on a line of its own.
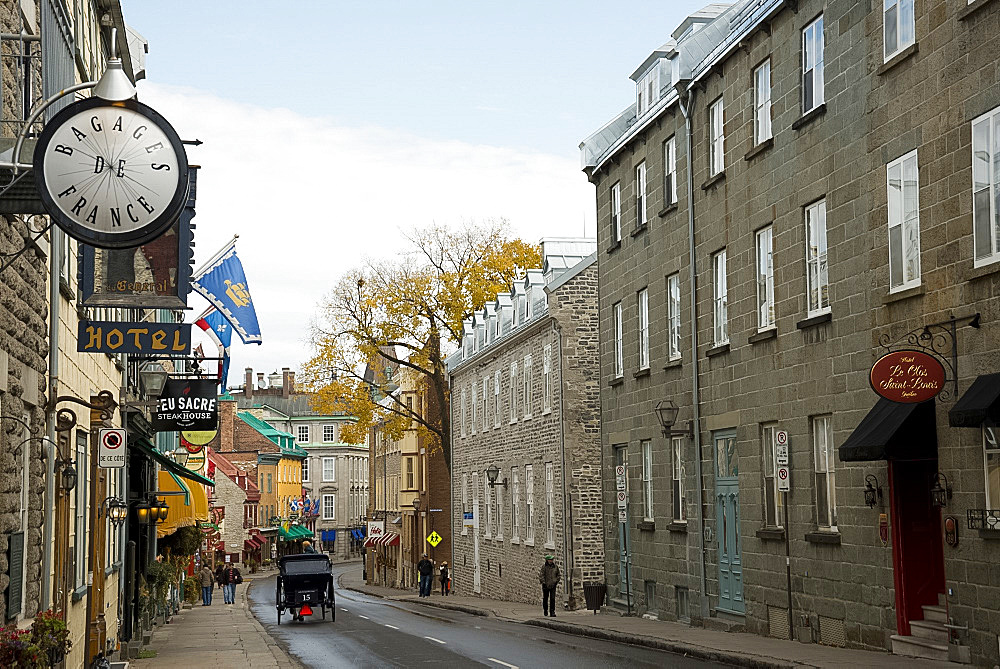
<point x="648" y="90"/>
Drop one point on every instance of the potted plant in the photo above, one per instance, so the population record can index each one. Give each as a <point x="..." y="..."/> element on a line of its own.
<point x="17" y="649"/>
<point x="50" y="634"/>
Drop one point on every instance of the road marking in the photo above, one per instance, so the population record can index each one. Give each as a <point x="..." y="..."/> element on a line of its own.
<point x="365" y="617"/>
<point x="391" y="626"/>
<point x="343" y="609"/>
<point x="435" y="640"/>
<point x="512" y="666"/>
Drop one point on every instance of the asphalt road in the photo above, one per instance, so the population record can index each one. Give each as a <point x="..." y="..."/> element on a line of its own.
<point x="371" y="632"/>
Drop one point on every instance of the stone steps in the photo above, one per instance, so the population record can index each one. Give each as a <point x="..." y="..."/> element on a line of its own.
<point x="912" y="646"/>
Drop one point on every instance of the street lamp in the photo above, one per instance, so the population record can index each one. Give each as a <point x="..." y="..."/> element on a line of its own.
<point x="117" y="510"/>
<point x="873" y="491"/>
<point x="492" y="472"/>
<point x="940" y="495"/>
<point x="68" y="478"/>
<point x="181" y="455"/>
<point x="143" y="512"/>
<point x="416" y="504"/>
<point x="666" y="413"/>
<point x="153" y="377"/>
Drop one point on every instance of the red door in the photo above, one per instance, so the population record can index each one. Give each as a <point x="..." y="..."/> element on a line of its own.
<point x="917" y="547"/>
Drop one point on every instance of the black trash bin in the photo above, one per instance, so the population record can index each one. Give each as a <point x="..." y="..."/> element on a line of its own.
<point x="594" y="595"/>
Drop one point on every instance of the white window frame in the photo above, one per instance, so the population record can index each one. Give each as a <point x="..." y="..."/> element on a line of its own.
<point x="499" y="492"/>
<point x="329" y="504"/>
<point x="762" y="102"/>
<point x="904" y="222"/>
<point x="329" y="469"/>
<point x="465" y="502"/>
<point x="619" y="350"/>
<point x="513" y="393"/>
<point x="641" y="217"/>
<point x="812" y="65"/>
<point x="302" y="434"/>
<point x="526" y="392"/>
<point x="333" y="433"/>
<point x="461" y="420"/>
<point x="486" y="404"/>
<point x="817" y="269"/>
<point x="824" y="460"/>
<point x="674" y="316"/>
<point x="496" y="399"/>
<point x="642" y="302"/>
<point x="765" y="279"/>
<point x="773" y="499"/>
<point x="717" y="139"/>
<point x="515" y="506"/>
<point x="616" y="213"/>
<point x="550" y="508"/>
<point x="991" y="451"/>
<point x="720" y="304"/>
<point x="488" y="503"/>
<point x="985" y="189"/>
<point x="474" y="397"/>
<point x="677" y="473"/>
<point x="547" y="378"/>
<point x="82" y="505"/>
<point x="305" y="470"/>
<point x="475" y="500"/>
<point x="646" y="448"/>
<point x="670" y="171"/>
<point x="410" y="473"/>
<point x="898" y="27"/>
<point x="529" y="505"/>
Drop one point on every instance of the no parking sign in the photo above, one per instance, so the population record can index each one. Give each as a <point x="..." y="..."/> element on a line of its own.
<point x="111" y="451"/>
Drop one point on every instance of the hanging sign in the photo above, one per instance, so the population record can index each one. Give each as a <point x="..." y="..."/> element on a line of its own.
<point x="376" y="528"/>
<point x="111" y="453"/>
<point x="186" y="404"/>
<point x="907" y="376"/>
<point x="142" y="337"/>
<point x="196" y="461"/>
<point x="883" y="528"/>
<point x="193" y="440"/>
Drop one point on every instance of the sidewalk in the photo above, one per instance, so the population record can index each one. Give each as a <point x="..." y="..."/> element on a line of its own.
<point x="217" y="636"/>
<point x="748" y="650"/>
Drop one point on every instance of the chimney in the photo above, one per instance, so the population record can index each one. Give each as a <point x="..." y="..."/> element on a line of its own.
<point x="248" y="383"/>
<point x="260" y="380"/>
<point x="287" y="382"/>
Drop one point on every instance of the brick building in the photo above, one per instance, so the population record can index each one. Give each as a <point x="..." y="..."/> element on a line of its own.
<point x="820" y="215"/>
<point x="237" y="493"/>
<point x="525" y="400"/>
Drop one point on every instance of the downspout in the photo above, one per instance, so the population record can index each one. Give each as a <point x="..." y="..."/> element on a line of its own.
<point x="569" y="559"/>
<point x="55" y="249"/>
<point x="685" y="101"/>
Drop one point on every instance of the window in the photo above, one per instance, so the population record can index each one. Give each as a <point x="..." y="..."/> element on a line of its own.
<point x="812" y="65"/>
<point x="616" y="214"/>
<point x="904" y="222"/>
<point x="619" y="360"/>
<point x="762" y="102"/>
<point x="718" y="139"/>
<point x="669" y="172"/>
<point x="991" y="455"/>
<point x="515" y="506"/>
<point x="773" y="500"/>
<point x="826" y="486"/>
<point x="329" y="469"/>
<point x="302" y="434"/>
<point x="674" y="316"/>
<point x="897" y="26"/>
<point x="647" y="479"/>
<point x="643" y="328"/>
<point x="720" y="306"/>
<point x="488" y="503"/>
<point x="817" y="274"/>
<point x="329" y="433"/>
<point x="499" y="493"/>
<point x="305" y="470"/>
<point x="411" y="481"/>
<point x="496" y="399"/>
<point x="529" y="504"/>
<point x="550" y="508"/>
<point x="527" y="386"/>
<point x="270" y="481"/>
<point x="513" y="392"/>
<point x="329" y="507"/>
<point x="678" y="471"/>
<point x="765" y="279"/>
<point x="461" y="419"/>
<point x="640" y="195"/>
<point x="986" y="187"/>
<point x="82" y="501"/>
<point x="485" y="407"/>
<point x="465" y="501"/>
<point x="475" y="407"/>
<point x="647" y="90"/>
<point x="547" y="378"/>
<point x="475" y="499"/>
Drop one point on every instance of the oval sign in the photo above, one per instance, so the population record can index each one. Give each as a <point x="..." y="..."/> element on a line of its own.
<point x="907" y="376"/>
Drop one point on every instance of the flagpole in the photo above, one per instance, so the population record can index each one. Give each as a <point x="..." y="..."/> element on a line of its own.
<point x="218" y="254"/>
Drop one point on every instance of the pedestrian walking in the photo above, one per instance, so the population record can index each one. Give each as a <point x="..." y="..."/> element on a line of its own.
<point x="548" y="577"/>
<point x="307" y="547"/>
<point x="218" y="575"/>
<point x="231" y="577"/>
<point x="207" y="580"/>
<point x="426" y="569"/>
<point x="444" y="578"/>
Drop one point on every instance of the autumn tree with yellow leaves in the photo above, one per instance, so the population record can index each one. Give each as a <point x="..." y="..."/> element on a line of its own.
<point x="392" y="322"/>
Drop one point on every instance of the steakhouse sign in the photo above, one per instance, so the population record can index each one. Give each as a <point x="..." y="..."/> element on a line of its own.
<point x="907" y="376"/>
<point x="186" y="404"/>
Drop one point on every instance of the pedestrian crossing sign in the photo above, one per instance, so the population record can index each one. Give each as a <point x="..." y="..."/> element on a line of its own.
<point x="434" y="539"/>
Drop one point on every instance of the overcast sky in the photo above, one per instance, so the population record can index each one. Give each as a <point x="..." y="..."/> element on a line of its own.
<point x="330" y="127"/>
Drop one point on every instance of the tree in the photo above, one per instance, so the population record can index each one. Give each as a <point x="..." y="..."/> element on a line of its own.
<point x="390" y="321"/>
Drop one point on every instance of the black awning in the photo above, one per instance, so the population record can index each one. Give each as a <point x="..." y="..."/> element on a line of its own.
<point x="893" y="429"/>
<point x="979" y="403"/>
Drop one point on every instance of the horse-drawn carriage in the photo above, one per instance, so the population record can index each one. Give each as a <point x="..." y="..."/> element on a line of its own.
<point x="305" y="581"/>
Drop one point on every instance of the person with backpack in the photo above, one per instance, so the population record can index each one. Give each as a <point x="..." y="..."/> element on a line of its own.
<point x="426" y="569"/>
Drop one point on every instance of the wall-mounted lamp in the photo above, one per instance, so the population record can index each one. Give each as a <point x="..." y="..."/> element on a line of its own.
<point x="181" y="455"/>
<point x="416" y="504"/>
<point x="117" y="510"/>
<point x="666" y="413"/>
<point x="68" y="477"/>
<point x="143" y="512"/>
<point x="492" y="472"/>
<point x="873" y="491"/>
<point x="153" y="377"/>
<point x="940" y="495"/>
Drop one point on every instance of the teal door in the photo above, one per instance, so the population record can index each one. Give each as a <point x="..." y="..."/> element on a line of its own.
<point x="727" y="523"/>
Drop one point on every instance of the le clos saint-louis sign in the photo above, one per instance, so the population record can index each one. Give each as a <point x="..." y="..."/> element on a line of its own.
<point x="907" y="376"/>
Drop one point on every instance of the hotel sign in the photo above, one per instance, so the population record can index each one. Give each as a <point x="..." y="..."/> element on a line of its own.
<point x="139" y="337"/>
<point x="907" y="376"/>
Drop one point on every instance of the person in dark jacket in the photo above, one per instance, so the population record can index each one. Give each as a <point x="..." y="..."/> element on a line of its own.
<point x="231" y="577"/>
<point x="426" y="569"/>
<point x="444" y="578"/>
<point x="218" y="575"/>
<point x="548" y="577"/>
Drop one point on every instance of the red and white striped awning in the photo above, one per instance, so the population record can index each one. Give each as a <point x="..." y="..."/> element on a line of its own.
<point x="387" y="539"/>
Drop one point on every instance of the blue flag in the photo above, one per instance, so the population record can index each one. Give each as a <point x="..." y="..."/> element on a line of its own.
<point x="224" y="284"/>
<point x="219" y="329"/>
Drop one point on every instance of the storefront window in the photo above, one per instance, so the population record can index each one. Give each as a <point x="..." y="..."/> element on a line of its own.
<point x="991" y="453"/>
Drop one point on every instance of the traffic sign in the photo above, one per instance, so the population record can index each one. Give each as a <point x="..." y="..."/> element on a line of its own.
<point x="620" y="483"/>
<point x="781" y="454"/>
<point x="622" y="499"/>
<point x="434" y="539"/>
<point x="619" y="470"/>
<point x="111" y="452"/>
<point x="781" y="437"/>
<point x="622" y="516"/>
<point x="784" y="480"/>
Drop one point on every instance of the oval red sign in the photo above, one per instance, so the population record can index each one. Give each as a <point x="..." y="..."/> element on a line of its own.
<point x="907" y="376"/>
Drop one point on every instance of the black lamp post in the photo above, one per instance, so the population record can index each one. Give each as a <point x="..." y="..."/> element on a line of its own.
<point x="143" y="512"/>
<point x="666" y="413"/>
<point x="873" y="491"/>
<point x="940" y="494"/>
<point x="492" y="472"/>
<point x="117" y="510"/>
<point x="68" y="477"/>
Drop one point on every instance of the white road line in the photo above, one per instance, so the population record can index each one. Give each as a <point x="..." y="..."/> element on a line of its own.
<point x="365" y="617"/>
<point x="512" y="666"/>
<point x="343" y="609"/>
<point x="435" y="640"/>
<point x="391" y="626"/>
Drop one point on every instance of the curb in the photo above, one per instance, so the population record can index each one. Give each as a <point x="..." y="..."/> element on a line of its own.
<point x="471" y="610"/>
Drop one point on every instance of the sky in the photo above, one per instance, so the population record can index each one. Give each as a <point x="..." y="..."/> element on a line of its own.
<point x="332" y="128"/>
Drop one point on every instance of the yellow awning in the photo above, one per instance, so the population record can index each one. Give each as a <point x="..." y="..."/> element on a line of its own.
<point x="184" y="510"/>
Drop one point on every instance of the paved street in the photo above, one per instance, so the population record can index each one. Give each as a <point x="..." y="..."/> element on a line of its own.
<point x="371" y="632"/>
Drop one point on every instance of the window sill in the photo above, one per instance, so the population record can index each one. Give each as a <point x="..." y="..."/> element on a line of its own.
<point x="646" y="526"/>
<point x="113" y="568"/>
<point x="983" y="271"/>
<point x="548" y="545"/>
<point x="680" y="526"/>
<point x="813" y="321"/>
<point x="530" y="543"/>
<point x="820" y="537"/>
<point x="79" y="593"/>
<point x="897" y="59"/>
<point x="613" y="247"/>
<point x="809" y="116"/>
<point x="515" y="540"/>
<point x="770" y="333"/>
<point x="617" y="381"/>
<point x="759" y="149"/>
<point x="465" y="533"/>
<point x="717" y="350"/>
<point x="670" y="208"/>
<point x="721" y="176"/>
<point x="771" y="534"/>
<point x="972" y="9"/>
<point x="65" y="290"/>
<point x="901" y="295"/>
<point x="641" y="373"/>
<point x="674" y="364"/>
<point x="639" y="229"/>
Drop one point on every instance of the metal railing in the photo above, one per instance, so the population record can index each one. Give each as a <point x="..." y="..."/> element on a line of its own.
<point x="984" y="519"/>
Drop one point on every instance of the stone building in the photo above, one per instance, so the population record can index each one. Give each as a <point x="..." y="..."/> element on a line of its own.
<point x="237" y="493"/>
<point x="790" y="196"/>
<point x="526" y="459"/>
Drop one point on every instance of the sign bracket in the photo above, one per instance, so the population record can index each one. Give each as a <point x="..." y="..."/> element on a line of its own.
<point x="939" y="340"/>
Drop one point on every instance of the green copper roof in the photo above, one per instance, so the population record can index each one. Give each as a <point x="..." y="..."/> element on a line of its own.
<point x="285" y="441"/>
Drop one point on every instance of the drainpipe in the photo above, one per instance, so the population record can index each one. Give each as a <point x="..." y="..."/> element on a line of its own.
<point x="55" y="249"/>
<point x="569" y="558"/>
<point x="685" y="103"/>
